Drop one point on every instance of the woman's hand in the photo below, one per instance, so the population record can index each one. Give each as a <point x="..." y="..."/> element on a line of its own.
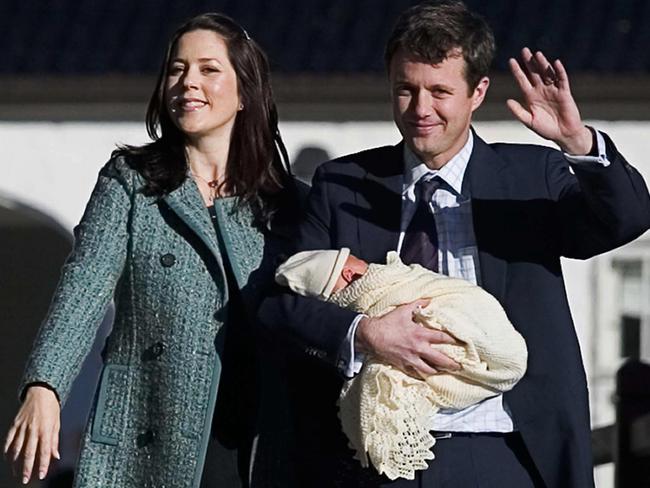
<point x="34" y="434"/>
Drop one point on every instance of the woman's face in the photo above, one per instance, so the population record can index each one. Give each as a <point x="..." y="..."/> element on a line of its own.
<point x="201" y="88"/>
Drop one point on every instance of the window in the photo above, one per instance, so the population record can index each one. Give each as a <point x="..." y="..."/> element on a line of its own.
<point x="632" y="302"/>
<point x="630" y="311"/>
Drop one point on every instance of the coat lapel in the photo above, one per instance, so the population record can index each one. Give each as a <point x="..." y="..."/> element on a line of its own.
<point x="245" y="245"/>
<point x="186" y="202"/>
<point x="485" y="181"/>
<point x="243" y="242"/>
<point x="380" y="203"/>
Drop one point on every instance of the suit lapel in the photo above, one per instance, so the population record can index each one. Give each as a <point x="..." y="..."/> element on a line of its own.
<point x="186" y="202"/>
<point x="485" y="180"/>
<point x="380" y="203"/>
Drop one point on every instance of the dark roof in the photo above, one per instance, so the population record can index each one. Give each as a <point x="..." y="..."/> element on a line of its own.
<point x="73" y="37"/>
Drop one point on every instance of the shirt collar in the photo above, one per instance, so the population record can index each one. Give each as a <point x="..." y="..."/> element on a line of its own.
<point x="451" y="173"/>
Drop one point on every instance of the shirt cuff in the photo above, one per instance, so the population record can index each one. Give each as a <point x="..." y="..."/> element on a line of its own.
<point x="350" y="362"/>
<point x="599" y="158"/>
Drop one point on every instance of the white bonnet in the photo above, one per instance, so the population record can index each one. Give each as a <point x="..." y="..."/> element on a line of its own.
<point x="313" y="273"/>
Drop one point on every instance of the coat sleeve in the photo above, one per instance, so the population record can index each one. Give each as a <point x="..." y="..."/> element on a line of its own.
<point x="318" y="328"/>
<point x="599" y="207"/>
<point x="87" y="284"/>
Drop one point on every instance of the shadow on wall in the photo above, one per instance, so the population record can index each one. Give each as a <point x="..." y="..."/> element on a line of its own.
<point x="308" y="158"/>
<point x="33" y="248"/>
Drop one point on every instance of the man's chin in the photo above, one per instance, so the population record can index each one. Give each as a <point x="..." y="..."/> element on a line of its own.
<point x="423" y="150"/>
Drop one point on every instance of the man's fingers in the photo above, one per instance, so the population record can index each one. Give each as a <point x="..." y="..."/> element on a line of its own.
<point x="405" y="313"/>
<point x="438" y="360"/>
<point x="562" y="76"/>
<point x="438" y="337"/>
<point x="416" y="304"/>
<point x="523" y="115"/>
<point x="421" y="370"/>
<point x="520" y="76"/>
<point x="541" y="60"/>
<point x="531" y="66"/>
<point x="546" y="71"/>
<point x="526" y="54"/>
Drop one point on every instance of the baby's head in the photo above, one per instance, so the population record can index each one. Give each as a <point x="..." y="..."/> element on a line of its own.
<point x="320" y="273"/>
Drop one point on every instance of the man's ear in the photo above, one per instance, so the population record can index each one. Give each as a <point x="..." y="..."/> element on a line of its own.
<point x="478" y="95"/>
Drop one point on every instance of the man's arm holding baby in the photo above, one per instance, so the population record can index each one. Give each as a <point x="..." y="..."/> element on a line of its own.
<point x="322" y="329"/>
<point x="316" y="327"/>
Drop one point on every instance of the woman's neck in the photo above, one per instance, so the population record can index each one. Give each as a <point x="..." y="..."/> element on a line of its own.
<point x="207" y="158"/>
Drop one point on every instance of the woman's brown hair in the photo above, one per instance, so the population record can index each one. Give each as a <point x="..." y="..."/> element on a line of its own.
<point x="257" y="168"/>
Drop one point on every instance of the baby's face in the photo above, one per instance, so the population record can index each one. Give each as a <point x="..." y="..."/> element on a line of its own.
<point x="353" y="269"/>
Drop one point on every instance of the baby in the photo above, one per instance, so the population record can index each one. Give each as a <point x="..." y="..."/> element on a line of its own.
<point x="385" y="413"/>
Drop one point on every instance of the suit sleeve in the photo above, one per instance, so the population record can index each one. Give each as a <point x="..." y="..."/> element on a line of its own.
<point x="86" y="286"/>
<point x="599" y="207"/>
<point x="317" y="327"/>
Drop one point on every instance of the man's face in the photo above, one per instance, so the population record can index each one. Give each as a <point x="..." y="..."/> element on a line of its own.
<point x="432" y="105"/>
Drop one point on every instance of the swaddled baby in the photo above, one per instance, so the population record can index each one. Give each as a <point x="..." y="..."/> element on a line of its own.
<point x="386" y="414"/>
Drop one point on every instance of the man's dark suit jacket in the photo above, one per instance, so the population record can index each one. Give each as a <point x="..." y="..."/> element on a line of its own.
<point x="529" y="209"/>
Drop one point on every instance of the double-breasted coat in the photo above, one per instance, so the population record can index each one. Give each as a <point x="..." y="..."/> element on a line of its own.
<point x="160" y="260"/>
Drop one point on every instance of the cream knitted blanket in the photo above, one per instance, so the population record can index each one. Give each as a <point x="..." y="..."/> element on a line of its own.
<point x="386" y="414"/>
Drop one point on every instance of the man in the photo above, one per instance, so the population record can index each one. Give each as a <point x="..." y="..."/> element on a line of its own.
<point x="499" y="215"/>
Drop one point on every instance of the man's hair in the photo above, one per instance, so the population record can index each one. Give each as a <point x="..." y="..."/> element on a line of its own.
<point x="434" y="31"/>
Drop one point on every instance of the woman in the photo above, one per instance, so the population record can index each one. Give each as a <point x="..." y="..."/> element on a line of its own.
<point x="182" y="233"/>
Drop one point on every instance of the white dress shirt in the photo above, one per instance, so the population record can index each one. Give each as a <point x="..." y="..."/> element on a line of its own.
<point x="458" y="258"/>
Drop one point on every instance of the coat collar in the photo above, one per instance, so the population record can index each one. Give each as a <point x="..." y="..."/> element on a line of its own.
<point x="242" y="241"/>
<point x="381" y="201"/>
<point x="483" y="176"/>
<point x="187" y="204"/>
<point x="486" y="182"/>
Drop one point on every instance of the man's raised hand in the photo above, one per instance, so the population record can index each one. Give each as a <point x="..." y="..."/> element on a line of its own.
<point x="548" y="107"/>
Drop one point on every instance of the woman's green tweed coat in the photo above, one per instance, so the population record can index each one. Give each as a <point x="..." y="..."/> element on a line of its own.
<point x="160" y="260"/>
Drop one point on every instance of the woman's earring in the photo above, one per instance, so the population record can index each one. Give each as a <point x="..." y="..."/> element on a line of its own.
<point x="241" y="106"/>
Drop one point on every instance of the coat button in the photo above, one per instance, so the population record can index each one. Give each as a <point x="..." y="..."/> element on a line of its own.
<point x="145" y="438"/>
<point x="154" y="351"/>
<point x="157" y="349"/>
<point x="167" y="260"/>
